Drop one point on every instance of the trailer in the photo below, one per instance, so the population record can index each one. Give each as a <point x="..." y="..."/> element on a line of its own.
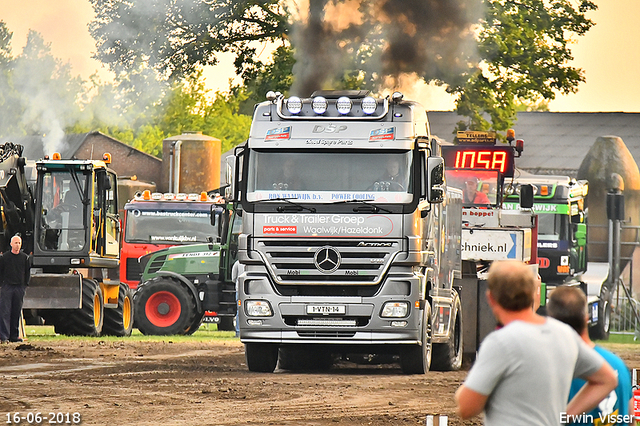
<point x="480" y="166"/>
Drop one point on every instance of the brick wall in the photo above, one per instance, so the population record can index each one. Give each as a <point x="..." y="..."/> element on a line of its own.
<point x="125" y="160"/>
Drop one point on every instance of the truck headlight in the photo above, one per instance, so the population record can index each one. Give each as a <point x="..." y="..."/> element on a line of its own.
<point x="395" y="310"/>
<point x="258" y="308"/>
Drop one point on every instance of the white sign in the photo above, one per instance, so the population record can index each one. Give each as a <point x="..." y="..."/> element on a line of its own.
<point x="496" y="244"/>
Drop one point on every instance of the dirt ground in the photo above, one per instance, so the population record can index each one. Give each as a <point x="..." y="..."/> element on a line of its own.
<point x="207" y="383"/>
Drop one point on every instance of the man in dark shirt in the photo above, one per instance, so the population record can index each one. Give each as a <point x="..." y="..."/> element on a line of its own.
<point x="15" y="274"/>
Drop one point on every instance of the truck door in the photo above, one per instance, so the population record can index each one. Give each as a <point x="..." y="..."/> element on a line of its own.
<point x="112" y="220"/>
<point x="105" y="215"/>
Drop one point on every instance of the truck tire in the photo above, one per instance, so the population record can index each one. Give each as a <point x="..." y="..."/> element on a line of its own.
<point x="119" y="321"/>
<point x="226" y="324"/>
<point x="601" y="330"/>
<point x="297" y="358"/>
<point x="164" y="307"/>
<point x="197" y="322"/>
<point x="448" y="356"/>
<point x="416" y="359"/>
<point x="86" y="321"/>
<point x="261" y="357"/>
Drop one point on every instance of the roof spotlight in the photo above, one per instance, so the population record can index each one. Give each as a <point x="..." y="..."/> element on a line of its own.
<point x="343" y="104"/>
<point x="294" y="105"/>
<point x="368" y="105"/>
<point x="319" y="105"/>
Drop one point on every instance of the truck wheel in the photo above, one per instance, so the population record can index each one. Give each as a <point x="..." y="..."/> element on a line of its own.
<point x="416" y="359"/>
<point x="163" y="307"/>
<point x="197" y="322"/>
<point x="226" y="324"/>
<point x="448" y="356"/>
<point x="86" y="321"/>
<point x="261" y="357"/>
<point x="119" y="321"/>
<point x="601" y="330"/>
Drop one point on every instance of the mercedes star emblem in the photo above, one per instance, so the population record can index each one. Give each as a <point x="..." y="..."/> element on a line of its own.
<point x="327" y="259"/>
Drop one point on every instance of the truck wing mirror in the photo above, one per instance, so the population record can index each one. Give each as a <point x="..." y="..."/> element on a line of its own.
<point x="579" y="233"/>
<point x="435" y="179"/>
<point x="526" y="196"/>
<point x="230" y="165"/>
<point x="106" y="182"/>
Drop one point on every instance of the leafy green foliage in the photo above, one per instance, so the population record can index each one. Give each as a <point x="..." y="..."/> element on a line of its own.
<point x="176" y="37"/>
<point x="524" y="46"/>
<point x="38" y="94"/>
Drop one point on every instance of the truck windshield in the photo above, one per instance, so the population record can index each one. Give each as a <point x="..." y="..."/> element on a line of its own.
<point x="479" y="187"/>
<point x="62" y="211"/>
<point x="553" y="227"/>
<point x="312" y="176"/>
<point x="168" y="226"/>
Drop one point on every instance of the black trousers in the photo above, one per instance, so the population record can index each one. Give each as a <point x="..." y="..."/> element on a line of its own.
<point x="11" y="298"/>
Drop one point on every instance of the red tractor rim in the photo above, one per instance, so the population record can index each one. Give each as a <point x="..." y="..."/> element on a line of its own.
<point x="163" y="309"/>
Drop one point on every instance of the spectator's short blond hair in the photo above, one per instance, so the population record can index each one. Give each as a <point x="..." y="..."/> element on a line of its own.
<point x="512" y="284"/>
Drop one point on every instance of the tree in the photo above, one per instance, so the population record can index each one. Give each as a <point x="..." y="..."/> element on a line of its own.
<point x="524" y="49"/>
<point x="492" y="55"/>
<point x="181" y="106"/>
<point x="175" y="37"/>
<point x="40" y="96"/>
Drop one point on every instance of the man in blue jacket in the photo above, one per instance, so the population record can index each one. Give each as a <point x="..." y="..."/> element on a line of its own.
<point x="569" y="305"/>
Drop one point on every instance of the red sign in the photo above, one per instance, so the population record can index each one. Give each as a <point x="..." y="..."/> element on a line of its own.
<point x="280" y="229"/>
<point x="498" y="158"/>
<point x="543" y="263"/>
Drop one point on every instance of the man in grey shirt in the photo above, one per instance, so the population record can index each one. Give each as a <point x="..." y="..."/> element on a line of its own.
<point x="523" y="371"/>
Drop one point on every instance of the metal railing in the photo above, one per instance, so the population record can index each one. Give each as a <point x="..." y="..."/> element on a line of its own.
<point x="625" y="317"/>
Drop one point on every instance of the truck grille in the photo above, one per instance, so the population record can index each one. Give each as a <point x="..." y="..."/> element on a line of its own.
<point x="326" y="334"/>
<point x="134" y="270"/>
<point x="294" y="262"/>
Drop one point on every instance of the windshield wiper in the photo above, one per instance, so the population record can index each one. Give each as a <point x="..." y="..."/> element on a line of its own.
<point x="288" y="200"/>
<point x="374" y="207"/>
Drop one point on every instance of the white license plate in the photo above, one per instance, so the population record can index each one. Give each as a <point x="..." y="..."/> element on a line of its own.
<point x="326" y="309"/>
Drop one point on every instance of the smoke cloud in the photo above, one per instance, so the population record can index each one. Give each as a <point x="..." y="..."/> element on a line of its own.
<point x="395" y="42"/>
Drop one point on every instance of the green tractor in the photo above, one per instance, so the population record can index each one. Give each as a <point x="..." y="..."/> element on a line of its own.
<point x="183" y="283"/>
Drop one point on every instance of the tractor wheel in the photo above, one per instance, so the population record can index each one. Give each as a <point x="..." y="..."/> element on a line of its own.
<point x="119" y="321"/>
<point x="416" y="359"/>
<point x="86" y="321"/>
<point x="261" y="357"/>
<point x="164" y="306"/>
<point x="448" y="356"/>
<point x="197" y="322"/>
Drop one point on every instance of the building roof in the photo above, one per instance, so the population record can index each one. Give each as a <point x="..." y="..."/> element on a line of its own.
<point x="36" y="147"/>
<point x="556" y="142"/>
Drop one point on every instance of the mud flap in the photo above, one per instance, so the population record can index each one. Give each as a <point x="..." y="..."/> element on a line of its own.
<point x="54" y="291"/>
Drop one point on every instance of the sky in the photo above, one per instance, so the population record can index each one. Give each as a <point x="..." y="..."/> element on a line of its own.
<point x="609" y="53"/>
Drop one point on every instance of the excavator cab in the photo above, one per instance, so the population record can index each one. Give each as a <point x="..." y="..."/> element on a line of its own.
<point x="77" y="222"/>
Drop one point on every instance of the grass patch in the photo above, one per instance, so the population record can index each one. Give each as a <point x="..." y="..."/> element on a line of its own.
<point x="620" y="338"/>
<point x="206" y="332"/>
